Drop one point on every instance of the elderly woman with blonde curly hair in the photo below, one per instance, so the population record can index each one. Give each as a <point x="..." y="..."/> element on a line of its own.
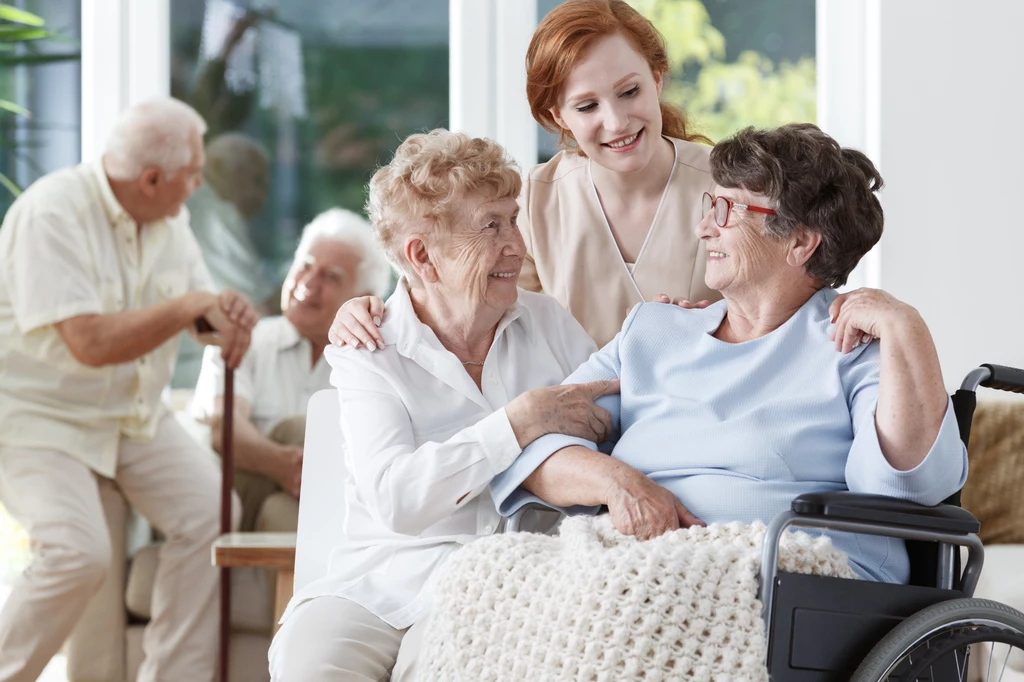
<point x="467" y="377"/>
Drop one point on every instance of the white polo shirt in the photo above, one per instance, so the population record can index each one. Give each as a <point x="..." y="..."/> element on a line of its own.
<point x="68" y="248"/>
<point x="275" y="377"/>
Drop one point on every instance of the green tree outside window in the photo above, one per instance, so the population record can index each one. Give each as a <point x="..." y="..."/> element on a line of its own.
<point x="725" y="96"/>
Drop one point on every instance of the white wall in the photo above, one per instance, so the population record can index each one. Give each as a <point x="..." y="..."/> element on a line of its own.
<point x="931" y="91"/>
<point x="951" y="133"/>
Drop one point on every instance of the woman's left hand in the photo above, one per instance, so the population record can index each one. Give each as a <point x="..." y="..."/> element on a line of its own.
<point x="864" y="314"/>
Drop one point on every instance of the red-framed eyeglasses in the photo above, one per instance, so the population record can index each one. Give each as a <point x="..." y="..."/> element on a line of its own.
<point x="723" y="206"/>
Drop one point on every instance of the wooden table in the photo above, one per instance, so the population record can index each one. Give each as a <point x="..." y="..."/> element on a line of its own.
<point x="263" y="550"/>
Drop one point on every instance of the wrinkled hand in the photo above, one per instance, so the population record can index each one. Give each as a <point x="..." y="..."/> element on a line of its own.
<point x="232" y="338"/>
<point x="568" y="409"/>
<point x="862" y="315"/>
<point x="289" y="470"/>
<point x="357" y="321"/>
<point x="238" y="309"/>
<point x="638" y="506"/>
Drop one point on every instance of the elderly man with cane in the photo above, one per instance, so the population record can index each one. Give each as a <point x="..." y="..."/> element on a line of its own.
<point x="99" y="272"/>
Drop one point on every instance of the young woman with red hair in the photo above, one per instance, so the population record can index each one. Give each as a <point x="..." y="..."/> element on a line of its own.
<point x="608" y="222"/>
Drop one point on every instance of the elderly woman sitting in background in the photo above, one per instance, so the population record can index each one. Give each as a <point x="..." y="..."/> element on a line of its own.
<point x="728" y="413"/>
<point x="467" y="377"/>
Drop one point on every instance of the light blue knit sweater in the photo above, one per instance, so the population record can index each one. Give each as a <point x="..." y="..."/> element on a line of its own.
<point x="736" y="431"/>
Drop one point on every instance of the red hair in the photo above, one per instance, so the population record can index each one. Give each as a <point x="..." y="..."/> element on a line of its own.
<point x="561" y="42"/>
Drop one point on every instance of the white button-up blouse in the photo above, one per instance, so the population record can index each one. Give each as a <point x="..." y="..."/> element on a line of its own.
<point x="422" y="442"/>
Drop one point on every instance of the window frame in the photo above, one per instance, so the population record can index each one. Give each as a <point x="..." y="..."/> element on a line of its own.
<point x="848" y="67"/>
<point x="125" y="60"/>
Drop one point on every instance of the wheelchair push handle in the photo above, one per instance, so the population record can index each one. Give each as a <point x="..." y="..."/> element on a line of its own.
<point x="1005" y="378"/>
<point x="999" y="377"/>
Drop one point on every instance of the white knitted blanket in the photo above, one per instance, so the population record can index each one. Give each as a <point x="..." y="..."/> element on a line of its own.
<point x="593" y="604"/>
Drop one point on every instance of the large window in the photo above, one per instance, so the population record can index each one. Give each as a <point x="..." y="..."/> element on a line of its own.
<point x="42" y="77"/>
<point x="326" y="89"/>
<point x="734" y="63"/>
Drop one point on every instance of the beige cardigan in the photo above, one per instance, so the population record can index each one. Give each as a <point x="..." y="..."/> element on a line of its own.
<point x="572" y="255"/>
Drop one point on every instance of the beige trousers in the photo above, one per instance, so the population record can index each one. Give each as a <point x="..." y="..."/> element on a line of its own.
<point x="330" y="639"/>
<point x="176" y="486"/>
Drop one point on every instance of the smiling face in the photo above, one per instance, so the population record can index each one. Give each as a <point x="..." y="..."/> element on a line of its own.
<point x="610" y="105"/>
<point x="477" y="262"/>
<point x="740" y="257"/>
<point x="318" y="283"/>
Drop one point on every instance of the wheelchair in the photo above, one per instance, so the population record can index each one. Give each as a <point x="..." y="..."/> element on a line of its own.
<point x="822" y="629"/>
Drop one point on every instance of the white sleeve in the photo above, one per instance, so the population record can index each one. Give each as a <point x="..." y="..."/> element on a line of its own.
<point x="408" y="487"/>
<point x="39" y="245"/>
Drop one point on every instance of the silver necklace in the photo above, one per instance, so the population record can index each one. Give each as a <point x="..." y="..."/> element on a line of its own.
<point x="474" y="364"/>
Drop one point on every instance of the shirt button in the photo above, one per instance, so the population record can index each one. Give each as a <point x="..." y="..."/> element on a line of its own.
<point x="492" y="381"/>
<point x="488" y="529"/>
<point x="506" y="461"/>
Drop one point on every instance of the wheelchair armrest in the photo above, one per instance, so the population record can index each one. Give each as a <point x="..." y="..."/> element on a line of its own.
<point x="849" y="506"/>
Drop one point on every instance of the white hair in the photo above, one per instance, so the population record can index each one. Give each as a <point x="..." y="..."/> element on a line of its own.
<point x="350" y="228"/>
<point x="157" y="133"/>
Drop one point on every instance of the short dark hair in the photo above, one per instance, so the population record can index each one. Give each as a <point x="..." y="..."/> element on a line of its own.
<point x="813" y="183"/>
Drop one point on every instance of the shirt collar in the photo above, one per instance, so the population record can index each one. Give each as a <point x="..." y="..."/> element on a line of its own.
<point x="403" y="328"/>
<point x="115" y="211"/>
<point x="287" y="336"/>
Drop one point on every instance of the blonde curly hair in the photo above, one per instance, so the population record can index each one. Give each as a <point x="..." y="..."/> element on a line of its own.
<point x="422" y="187"/>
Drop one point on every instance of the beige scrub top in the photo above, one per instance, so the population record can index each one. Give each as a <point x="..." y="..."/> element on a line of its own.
<point x="572" y="254"/>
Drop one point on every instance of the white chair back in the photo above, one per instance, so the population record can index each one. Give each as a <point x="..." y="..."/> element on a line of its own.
<point x="322" y="502"/>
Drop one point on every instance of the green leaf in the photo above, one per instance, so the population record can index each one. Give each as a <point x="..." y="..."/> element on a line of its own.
<point x="19" y="33"/>
<point x="15" y="109"/>
<point x="9" y="185"/>
<point x="19" y="16"/>
<point x="34" y="59"/>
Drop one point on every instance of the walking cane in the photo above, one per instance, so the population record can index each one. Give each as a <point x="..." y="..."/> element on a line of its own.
<point x="226" y="484"/>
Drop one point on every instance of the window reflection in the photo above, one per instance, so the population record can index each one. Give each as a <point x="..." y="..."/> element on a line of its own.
<point x="304" y="99"/>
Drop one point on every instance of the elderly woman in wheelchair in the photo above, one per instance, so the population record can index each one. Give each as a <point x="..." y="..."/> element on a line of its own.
<point x="784" y="387"/>
<point x="787" y="390"/>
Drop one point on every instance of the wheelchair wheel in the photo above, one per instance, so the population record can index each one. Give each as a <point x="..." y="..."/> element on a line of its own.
<point x="936" y="644"/>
